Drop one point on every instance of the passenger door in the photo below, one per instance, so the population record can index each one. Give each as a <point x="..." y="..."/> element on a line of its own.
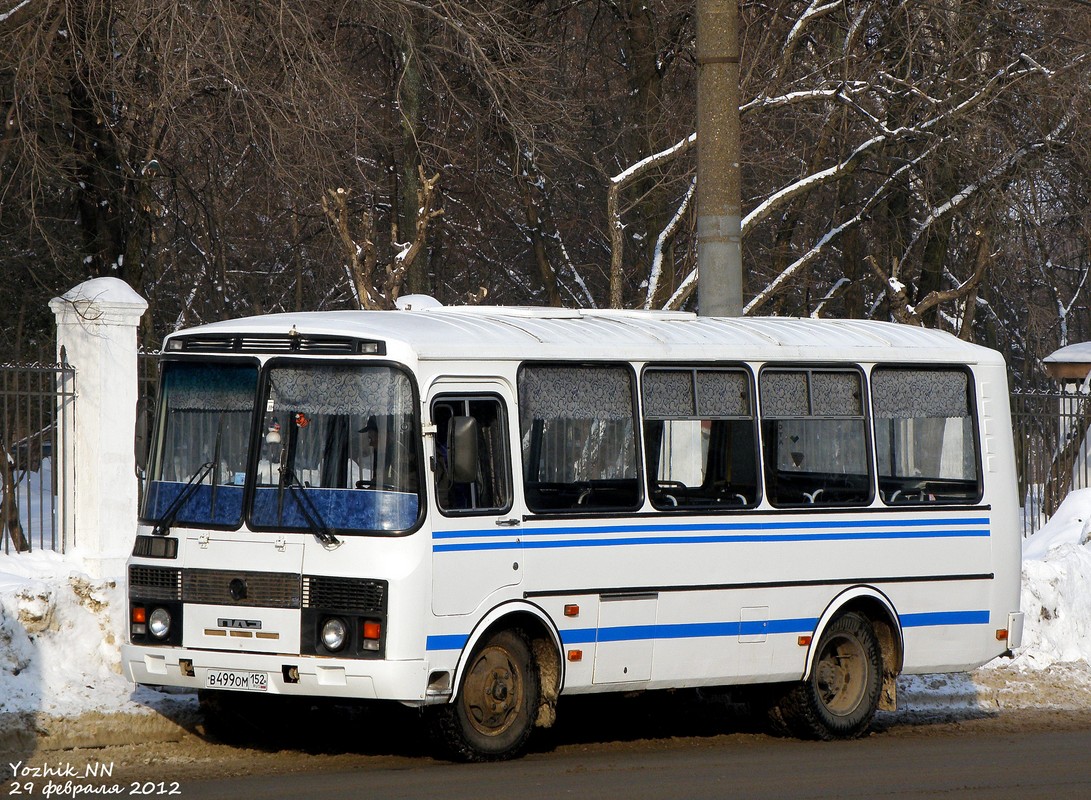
<point x="476" y="546"/>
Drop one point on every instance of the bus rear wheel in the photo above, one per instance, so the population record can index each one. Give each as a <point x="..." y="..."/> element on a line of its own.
<point x="493" y="714"/>
<point x="841" y="695"/>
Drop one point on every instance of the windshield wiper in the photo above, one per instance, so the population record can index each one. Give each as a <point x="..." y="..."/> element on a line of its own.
<point x="162" y="527"/>
<point x="310" y="511"/>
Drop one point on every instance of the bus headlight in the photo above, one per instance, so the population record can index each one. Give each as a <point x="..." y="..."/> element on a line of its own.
<point x="159" y="623"/>
<point x="334" y="634"/>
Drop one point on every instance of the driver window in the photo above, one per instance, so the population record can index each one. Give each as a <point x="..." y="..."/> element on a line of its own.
<point x="483" y="484"/>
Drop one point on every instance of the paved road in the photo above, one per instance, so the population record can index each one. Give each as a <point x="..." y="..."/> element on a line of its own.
<point x="1014" y="755"/>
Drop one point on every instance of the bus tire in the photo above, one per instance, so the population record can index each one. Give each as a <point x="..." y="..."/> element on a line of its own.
<point x="493" y="713"/>
<point x="841" y="695"/>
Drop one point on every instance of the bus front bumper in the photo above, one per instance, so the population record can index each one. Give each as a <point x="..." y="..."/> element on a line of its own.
<point x="403" y="681"/>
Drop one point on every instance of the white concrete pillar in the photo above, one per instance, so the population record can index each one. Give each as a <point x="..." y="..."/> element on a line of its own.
<point x="96" y="329"/>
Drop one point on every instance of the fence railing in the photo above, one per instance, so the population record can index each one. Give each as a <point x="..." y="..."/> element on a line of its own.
<point x="35" y="401"/>
<point x="1052" y="452"/>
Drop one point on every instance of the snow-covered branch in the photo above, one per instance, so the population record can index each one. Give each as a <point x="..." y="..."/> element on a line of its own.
<point x="831" y="235"/>
<point x="815" y="10"/>
<point x="842" y="91"/>
<point x="971" y="190"/>
<point x="613" y="208"/>
<point x="644" y="164"/>
<point x="5" y="15"/>
<point x="806" y="184"/>
<point x="661" y="241"/>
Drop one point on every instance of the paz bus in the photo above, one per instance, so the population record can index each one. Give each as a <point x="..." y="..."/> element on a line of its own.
<point x="475" y="511"/>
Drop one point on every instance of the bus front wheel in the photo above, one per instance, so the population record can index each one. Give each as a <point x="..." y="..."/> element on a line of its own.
<point x="493" y="714"/>
<point x="841" y="695"/>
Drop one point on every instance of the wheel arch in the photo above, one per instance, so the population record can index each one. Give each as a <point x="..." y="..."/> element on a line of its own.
<point x="878" y="609"/>
<point x="545" y="644"/>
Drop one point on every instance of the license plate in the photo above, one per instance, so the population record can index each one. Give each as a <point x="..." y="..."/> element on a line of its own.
<point x="239" y="681"/>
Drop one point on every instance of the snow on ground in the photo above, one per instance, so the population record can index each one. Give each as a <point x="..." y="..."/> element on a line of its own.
<point x="60" y="631"/>
<point x="59" y="637"/>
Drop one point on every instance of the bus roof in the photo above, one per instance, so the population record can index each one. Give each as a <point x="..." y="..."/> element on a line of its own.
<point x="519" y="333"/>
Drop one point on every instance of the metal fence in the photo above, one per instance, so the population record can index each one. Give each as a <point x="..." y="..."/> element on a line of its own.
<point x="35" y="407"/>
<point x="1052" y="453"/>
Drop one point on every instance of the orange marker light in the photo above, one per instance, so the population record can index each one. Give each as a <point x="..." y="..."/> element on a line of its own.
<point x="575" y="655"/>
<point x="804" y="641"/>
<point x="372" y="629"/>
<point x="140" y="615"/>
<point x="1001" y="634"/>
<point x="572" y="610"/>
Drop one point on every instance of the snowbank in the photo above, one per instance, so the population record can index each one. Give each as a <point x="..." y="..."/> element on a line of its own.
<point x="1056" y="595"/>
<point x="59" y="638"/>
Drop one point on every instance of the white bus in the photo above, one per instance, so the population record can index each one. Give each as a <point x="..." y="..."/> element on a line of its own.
<point x="477" y="510"/>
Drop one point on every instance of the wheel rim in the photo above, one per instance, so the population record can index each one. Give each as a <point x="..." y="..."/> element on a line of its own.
<point x="493" y="691"/>
<point x="841" y="674"/>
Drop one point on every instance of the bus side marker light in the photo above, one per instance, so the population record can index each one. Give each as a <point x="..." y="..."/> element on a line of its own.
<point x="804" y="641"/>
<point x="1001" y="634"/>
<point x="575" y="655"/>
<point x="571" y="610"/>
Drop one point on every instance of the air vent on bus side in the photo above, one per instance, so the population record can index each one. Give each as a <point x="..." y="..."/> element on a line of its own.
<point x="306" y="343"/>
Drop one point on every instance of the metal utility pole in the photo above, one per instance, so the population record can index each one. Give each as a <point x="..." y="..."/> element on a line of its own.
<point x="719" y="195"/>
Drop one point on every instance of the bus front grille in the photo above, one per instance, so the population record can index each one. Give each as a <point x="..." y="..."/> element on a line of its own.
<point x="155" y="583"/>
<point x="344" y="594"/>
<point x="237" y="588"/>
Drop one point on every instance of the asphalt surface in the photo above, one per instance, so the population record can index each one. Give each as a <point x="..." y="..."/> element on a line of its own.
<point x="655" y="746"/>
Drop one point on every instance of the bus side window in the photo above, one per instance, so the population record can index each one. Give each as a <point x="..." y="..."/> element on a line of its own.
<point x="578" y="430"/>
<point x="815" y="437"/>
<point x="925" y="441"/>
<point x="700" y="438"/>
<point x="472" y="473"/>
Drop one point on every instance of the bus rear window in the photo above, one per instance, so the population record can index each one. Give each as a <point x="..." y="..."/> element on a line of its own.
<point x="578" y="438"/>
<point x="924" y="436"/>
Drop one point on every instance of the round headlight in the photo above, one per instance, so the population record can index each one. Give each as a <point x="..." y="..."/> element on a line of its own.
<point x="334" y="633"/>
<point x="159" y="623"/>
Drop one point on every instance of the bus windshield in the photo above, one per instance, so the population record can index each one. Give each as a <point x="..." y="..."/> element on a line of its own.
<point x="336" y="448"/>
<point x="198" y="468"/>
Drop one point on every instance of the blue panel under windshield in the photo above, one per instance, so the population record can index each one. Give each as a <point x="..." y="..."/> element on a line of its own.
<point x="338" y="509"/>
<point x="207" y="505"/>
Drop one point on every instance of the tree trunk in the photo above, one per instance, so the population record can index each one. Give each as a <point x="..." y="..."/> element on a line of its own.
<point x="9" y="507"/>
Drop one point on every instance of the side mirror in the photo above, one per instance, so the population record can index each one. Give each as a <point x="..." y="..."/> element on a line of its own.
<point x="143" y="429"/>
<point x="462" y="450"/>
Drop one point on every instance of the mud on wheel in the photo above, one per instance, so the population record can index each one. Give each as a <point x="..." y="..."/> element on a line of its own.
<point x="839" y="698"/>
<point x="493" y="714"/>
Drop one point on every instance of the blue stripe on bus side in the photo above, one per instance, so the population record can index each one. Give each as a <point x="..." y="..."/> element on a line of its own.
<point x="718" y="533"/>
<point x="870" y="524"/>
<point x="701" y="630"/>
<point x="454" y="641"/>
<point x="944" y="618"/>
<point x="733" y="538"/>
